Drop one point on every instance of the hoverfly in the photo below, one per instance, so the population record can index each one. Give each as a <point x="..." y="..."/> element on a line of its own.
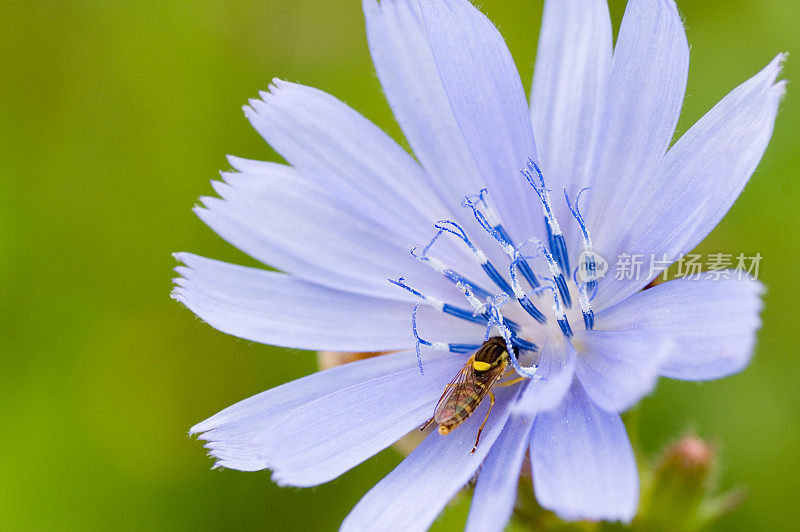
<point x="472" y="384"/>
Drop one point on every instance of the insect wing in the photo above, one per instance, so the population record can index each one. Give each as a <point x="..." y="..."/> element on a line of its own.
<point x="464" y="393"/>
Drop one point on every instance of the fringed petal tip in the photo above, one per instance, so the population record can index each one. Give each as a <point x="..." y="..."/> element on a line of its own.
<point x="777" y="87"/>
<point x="307" y="432"/>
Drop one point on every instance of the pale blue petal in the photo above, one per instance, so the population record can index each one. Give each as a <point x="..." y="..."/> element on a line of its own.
<point x="407" y="71"/>
<point x="617" y="368"/>
<point x="583" y="463"/>
<point x="496" y="489"/>
<point x="645" y="94"/>
<point x="489" y="103"/>
<point x="331" y="434"/>
<point x="697" y="181"/>
<point x="233" y="433"/>
<point x="712" y="323"/>
<point x="410" y="497"/>
<point x="349" y="157"/>
<point x="273" y="308"/>
<point x="573" y="61"/>
<point x="556" y="369"/>
<point x="278" y="216"/>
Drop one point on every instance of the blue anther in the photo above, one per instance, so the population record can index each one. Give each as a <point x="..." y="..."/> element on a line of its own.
<point x="463" y="348"/>
<point x="449" y="274"/>
<point x="565" y="328"/>
<point x="558" y="247"/>
<point x="558" y="278"/>
<point x="523" y="344"/>
<point x="588" y="319"/>
<point x="498" y="279"/>
<point x="531" y="309"/>
<point x="511" y="325"/>
<point x="499" y="233"/>
<point x="561" y="284"/>
<point x="528" y="274"/>
<point x="525" y="301"/>
<point x="556" y="243"/>
<point x="447" y="308"/>
<point x="560" y="316"/>
<point x="454" y="229"/>
<point x="593" y="285"/>
<point x="464" y="314"/>
<point x="480" y="293"/>
<point x="523" y="265"/>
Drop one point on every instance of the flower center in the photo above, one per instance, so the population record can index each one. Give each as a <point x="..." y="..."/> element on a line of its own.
<point x="529" y="309"/>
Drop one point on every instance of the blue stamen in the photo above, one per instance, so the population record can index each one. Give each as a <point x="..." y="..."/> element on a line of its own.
<point x="464" y="314"/>
<point x="561" y="318"/>
<point x="480" y="293"/>
<point x="498" y="232"/>
<point x="454" y="229"/>
<point x="495" y="276"/>
<point x="463" y="348"/>
<point x="531" y="309"/>
<point x="555" y="238"/>
<point x="512" y="325"/>
<point x="453" y="348"/>
<point x="561" y="283"/>
<point x="588" y="319"/>
<point x="524" y="267"/>
<point x="558" y="276"/>
<point x="450" y="275"/>
<point x="523" y="299"/>
<point x="558" y="246"/>
<point x="523" y="344"/>
<point x="480" y="217"/>
<point x="447" y="308"/>
<point x="565" y="328"/>
<point x="591" y="267"/>
<point x="589" y="261"/>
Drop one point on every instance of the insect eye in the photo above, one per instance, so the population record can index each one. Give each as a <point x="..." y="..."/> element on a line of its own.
<point x="477" y="365"/>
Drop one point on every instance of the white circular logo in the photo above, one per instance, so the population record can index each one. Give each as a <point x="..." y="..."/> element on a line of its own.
<point x="591" y="266"/>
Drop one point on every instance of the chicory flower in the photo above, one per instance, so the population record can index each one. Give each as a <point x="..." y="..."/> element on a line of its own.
<point x="501" y="246"/>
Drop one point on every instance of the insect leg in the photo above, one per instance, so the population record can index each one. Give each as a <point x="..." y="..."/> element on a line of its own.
<point x="425" y="425"/>
<point x="509" y="383"/>
<point x="491" y="404"/>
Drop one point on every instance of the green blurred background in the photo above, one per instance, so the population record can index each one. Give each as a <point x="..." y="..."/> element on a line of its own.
<point x="115" y="115"/>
